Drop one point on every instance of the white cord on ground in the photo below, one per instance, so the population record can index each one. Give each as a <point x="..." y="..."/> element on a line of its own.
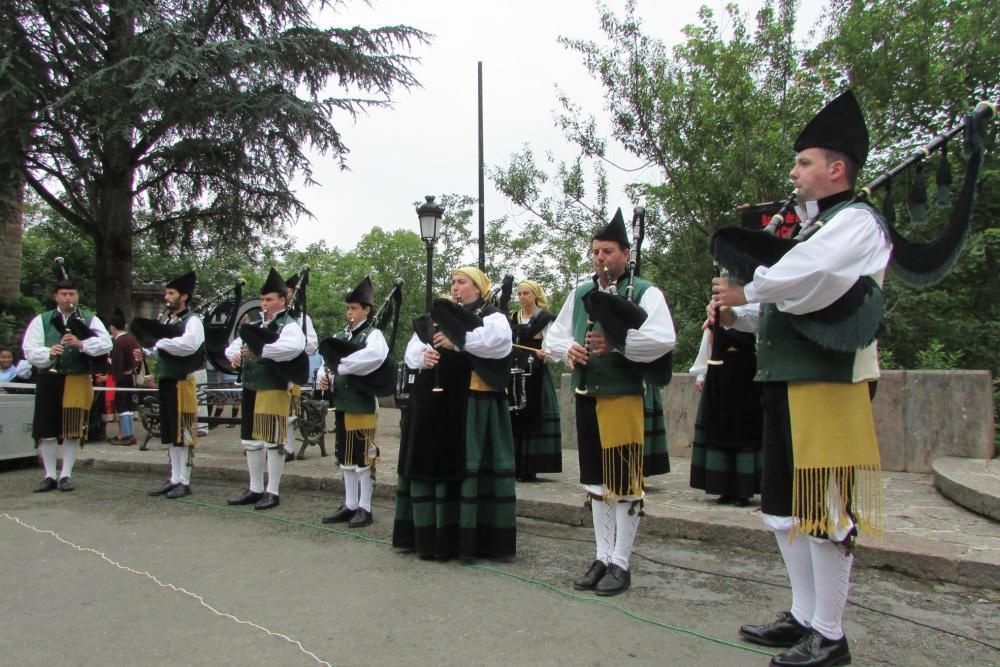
<point x="177" y="589"/>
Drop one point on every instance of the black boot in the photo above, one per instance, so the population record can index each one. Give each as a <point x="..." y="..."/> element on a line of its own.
<point x="785" y="631"/>
<point x="815" y="650"/>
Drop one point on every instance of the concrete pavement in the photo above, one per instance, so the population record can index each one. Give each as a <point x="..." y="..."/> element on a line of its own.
<point x="926" y="535"/>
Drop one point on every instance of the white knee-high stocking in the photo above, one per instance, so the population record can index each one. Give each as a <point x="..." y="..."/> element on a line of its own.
<point x="71" y="447"/>
<point x="798" y="563"/>
<point x="626" y="526"/>
<point x="832" y="577"/>
<point x="365" y="484"/>
<point x="604" y="529"/>
<point x="47" y="448"/>
<point x="275" y="466"/>
<point x="351" y="489"/>
<point x="255" y="465"/>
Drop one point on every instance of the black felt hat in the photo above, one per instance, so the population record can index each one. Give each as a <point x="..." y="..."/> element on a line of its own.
<point x="839" y="126"/>
<point x="291" y="281"/>
<point x="118" y="319"/>
<point x="364" y="293"/>
<point x="274" y="283"/>
<point x="63" y="279"/>
<point x="184" y="284"/>
<point x="614" y="231"/>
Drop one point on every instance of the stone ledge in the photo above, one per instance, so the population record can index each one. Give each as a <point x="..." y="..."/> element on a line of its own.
<point x="972" y="483"/>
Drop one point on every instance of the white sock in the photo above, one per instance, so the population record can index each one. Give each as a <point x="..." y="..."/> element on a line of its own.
<point x="290" y="435"/>
<point x="604" y="529"/>
<point x="365" y="477"/>
<point x="626" y="526"/>
<point x="175" y="467"/>
<point x="47" y="448"/>
<point x="275" y="466"/>
<point x="71" y="447"/>
<point x="351" y="490"/>
<point x="183" y="466"/>
<point x="832" y="576"/>
<point x="799" y="564"/>
<point x="255" y="464"/>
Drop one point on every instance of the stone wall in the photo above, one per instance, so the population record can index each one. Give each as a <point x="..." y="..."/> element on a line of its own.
<point x="919" y="416"/>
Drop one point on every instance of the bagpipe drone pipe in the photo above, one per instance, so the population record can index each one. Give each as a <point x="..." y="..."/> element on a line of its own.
<point x="149" y="331"/>
<point x="853" y="320"/>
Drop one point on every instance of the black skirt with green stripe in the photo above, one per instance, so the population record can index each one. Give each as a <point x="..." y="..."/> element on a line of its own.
<point x="537" y="433"/>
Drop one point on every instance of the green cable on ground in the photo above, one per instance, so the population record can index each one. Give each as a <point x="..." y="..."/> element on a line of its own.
<point x="475" y="566"/>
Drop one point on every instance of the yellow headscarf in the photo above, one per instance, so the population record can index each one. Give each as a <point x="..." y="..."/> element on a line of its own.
<point x="540" y="300"/>
<point x="478" y="279"/>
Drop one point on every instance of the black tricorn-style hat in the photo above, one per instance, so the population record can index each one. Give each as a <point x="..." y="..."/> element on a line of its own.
<point x="364" y="293"/>
<point x="839" y="126"/>
<point x="117" y="320"/>
<point x="63" y="280"/>
<point x="614" y="231"/>
<point x="274" y="283"/>
<point x="184" y="284"/>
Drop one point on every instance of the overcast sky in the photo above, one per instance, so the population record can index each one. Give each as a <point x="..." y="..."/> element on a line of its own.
<point x="426" y="143"/>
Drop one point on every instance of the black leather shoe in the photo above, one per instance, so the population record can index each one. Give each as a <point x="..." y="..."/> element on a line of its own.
<point x="785" y="631"/>
<point x="815" y="650"/>
<point x="590" y="577"/>
<point x="340" y="516"/>
<point x="167" y="486"/>
<point x="248" y="498"/>
<point x="615" y="581"/>
<point x="289" y="456"/>
<point x="65" y="484"/>
<point x="361" y="518"/>
<point x="267" y="501"/>
<point x="179" y="491"/>
<point x="47" y="484"/>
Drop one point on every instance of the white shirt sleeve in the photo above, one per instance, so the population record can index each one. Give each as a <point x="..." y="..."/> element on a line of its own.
<point x="24" y="369"/>
<point x="817" y="272"/>
<point x="99" y="344"/>
<point x="747" y="318"/>
<point x="368" y="358"/>
<point x="490" y="341"/>
<point x="312" y="340"/>
<point x="36" y="352"/>
<point x="700" y="365"/>
<point x="290" y="344"/>
<point x="187" y="343"/>
<point x="559" y="337"/>
<point x="414" y="355"/>
<point x="234" y="347"/>
<point x="655" y="337"/>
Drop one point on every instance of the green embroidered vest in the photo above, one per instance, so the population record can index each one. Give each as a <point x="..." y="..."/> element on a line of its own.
<point x="171" y="367"/>
<point x="72" y="361"/>
<point x="348" y="396"/>
<point x="612" y="373"/>
<point x="260" y="374"/>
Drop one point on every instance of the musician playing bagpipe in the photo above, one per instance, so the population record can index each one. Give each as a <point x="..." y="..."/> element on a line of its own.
<point x="270" y="353"/>
<point x="352" y="357"/>
<point x="296" y="292"/>
<point x="455" y="492"/>
<point x="534" y="417"/>
<point x="177" y="342"/>
<point x="609" y="359"/>
<point x="62" y="344"/>
<point x="821" y="475"/>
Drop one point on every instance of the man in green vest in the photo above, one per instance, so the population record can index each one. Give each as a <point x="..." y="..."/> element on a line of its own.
<point x="177" y="358"/>
<point x="267" y="390"/>
<point x="61" y="343"/>
<point x="821" y="476"/>
<point x="610" y="424"/>
<point x="355" y="407"/>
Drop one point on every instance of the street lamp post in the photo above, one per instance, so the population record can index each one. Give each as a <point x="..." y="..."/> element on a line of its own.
<point x="430" y="215"/>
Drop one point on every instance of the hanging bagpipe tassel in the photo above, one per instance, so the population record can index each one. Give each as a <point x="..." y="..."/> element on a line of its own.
<point x="942" y="198"/>
<point x="889" y="204"/>
<point x="917" y="199"/>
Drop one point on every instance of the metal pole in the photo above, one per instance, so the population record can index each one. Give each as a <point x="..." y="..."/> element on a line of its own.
<point x="430" y="276"/>
<point x="482" y="188"/>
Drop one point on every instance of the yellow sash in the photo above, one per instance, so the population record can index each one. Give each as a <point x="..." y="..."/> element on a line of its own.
<point x="78" y="396"/>
<point x="270" y="415"/>
<point x="360" y="425"/>
<point x="621" y="428"/>
<point x="187" y="411"/>
<point x="833" y="439"/>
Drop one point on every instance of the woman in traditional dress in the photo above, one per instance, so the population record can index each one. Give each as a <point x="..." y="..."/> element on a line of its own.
<point x="535" y="418"/>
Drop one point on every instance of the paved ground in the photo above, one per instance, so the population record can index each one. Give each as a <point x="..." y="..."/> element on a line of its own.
<point x="927" y="535"/>
<point x="238" y="587"/>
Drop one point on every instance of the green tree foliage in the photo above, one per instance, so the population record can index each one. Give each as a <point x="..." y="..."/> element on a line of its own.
<point x="194" y="113"/>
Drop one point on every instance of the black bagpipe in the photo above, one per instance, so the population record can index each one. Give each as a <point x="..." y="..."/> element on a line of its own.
<point x="522" y="358"/>
<point x="381" y="381"/>
<point x="149" y="331"/>
<point x="853" y="321"/>
<point x="617" y="314"/>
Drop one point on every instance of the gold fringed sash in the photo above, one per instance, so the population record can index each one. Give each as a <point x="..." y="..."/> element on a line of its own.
<point x="296" y="407"/>
<point x="833" y="441"/>
<point x="78" y="396"/>
<point x="270" y="415"/>
<point x="187" y="412"/>
<point x="620" y="424"/>
<point x="360" y="425"/>
<point x="476" y="383"/>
